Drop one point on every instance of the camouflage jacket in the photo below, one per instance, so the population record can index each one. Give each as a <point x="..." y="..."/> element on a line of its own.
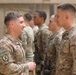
<point x="51" y="48"/>
<point x="12" y="57"/>
<point x="35" y="29"/>
<point x="66" y="64"/>
<point x="41" y="38"/>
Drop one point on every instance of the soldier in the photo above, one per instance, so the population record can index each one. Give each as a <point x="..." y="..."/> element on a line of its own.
<point x="53" y="45"/>
<point x="27" y="38"/>
<point x="41" y="37"/>
<point x="12" y="55"/>
<point x="66" y="15"/>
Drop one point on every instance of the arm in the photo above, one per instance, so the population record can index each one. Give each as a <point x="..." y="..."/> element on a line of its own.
<point x="45" y="34"/>
<point x="27" y="45"/>
<point x="8" y="64"/>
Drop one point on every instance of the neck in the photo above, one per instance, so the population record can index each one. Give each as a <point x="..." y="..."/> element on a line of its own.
<point x="68" y="26"/>
<point x="40" y="25"/>
<point x="55" y="30"/>
<point x="15" y="36"/>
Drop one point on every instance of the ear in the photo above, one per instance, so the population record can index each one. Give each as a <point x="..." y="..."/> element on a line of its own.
<point x="11" y="23"/>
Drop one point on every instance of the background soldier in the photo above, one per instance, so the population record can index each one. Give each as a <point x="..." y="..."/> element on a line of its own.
<point x="66" y="15"/>
<point x="52" y="45"/>
<point x="12" y="55"/>
<point x="41" y="37"/>
<point x="27" y="38"/>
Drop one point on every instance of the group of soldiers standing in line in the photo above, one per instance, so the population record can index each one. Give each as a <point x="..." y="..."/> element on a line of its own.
<point x="52" y="47"/>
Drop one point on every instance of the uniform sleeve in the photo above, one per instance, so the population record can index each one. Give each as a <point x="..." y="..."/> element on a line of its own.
<point x="27" y="45"/>
<point x="45" y="34"/>
<point x="73" y="51"/>
<point x="24" y="39"/>
<point x="29" y="51"/>
<point x="8" y="65"/>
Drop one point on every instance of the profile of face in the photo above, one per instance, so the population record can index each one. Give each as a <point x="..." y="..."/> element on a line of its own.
<point x="61" y="17"/>
<point x="52" y="23"/>
<point x="18" y="25"/>
<point x="37" y="18"/>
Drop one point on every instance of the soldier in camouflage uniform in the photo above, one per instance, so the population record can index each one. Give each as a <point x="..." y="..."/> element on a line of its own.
<point x="27" y="38"/>
<point x="66" y="62"/>
<point x="41" y="36"/>
<point x="53" y="44"/>
<point x="12" y="55"/>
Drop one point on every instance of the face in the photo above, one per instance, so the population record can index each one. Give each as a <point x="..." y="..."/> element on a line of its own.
<point x="52" y="24"/>
<point x="19" y="25"/>
<point x="60" y="18"/>
<point x="37" y="18"/>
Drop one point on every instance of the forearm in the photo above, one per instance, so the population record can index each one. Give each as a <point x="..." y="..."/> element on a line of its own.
<point x="29" y="54"/>
<point x="12" y="68"/>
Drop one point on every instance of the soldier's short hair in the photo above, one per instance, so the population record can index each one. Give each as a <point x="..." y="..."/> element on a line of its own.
<point x="11" y="16"/>
<point x="67" y="7"/>
<point x="28" y="16"/>
<point x="42" y="13"/>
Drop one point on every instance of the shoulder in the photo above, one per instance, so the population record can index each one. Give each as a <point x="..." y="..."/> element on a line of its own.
<point x="46" y="32"/>
<point x="72" y="33"/>
<point x="6" y="44"/>
<point x="3" y="47"/>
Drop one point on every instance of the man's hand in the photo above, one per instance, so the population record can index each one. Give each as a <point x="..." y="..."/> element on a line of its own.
<point x="31" y="65"/>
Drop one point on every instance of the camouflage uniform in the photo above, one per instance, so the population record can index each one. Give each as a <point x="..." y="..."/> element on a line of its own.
<point x="52" y="44"/>
<point x="35" y="29"/>
<point x="12" y="57"/>
<point x="66" y="62"/>
<point x="41" y="38"/>
<point x="27" y="38"/>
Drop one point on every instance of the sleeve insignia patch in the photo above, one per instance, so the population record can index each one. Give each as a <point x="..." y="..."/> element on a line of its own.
<point x="5" y="58"/>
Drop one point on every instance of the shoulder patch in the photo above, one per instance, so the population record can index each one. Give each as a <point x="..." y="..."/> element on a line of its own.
<point x="5" y="58"/>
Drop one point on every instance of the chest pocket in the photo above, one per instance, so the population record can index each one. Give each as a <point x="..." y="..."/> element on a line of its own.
<point x="66" y="56"/>
<point x="18" y="53"/>
<point x="65" y="46"/>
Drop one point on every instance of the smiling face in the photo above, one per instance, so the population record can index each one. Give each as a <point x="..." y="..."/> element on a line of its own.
<point x="18" y="25"/>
